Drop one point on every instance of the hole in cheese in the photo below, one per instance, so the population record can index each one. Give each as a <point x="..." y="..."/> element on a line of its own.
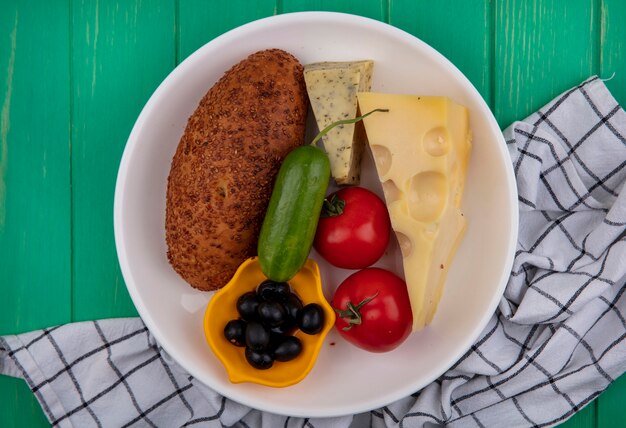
<point x="428" y="193"/>
<point x="391" y="191"/>
<point x="382" y="159"/>
<point x="406" y="246"/>
<point x="437" y="141"/>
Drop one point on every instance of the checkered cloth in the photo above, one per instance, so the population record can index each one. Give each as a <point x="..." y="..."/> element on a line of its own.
<point x="556" y="341"/>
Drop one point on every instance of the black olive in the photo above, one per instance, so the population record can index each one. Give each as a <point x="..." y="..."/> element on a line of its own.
<point x="247" y="306"/>
<point x="292" y="304"/>
<point x="273" y="291"/>
<point x="288" y="349"/>
<point x="257" y="336"/>
<point x="286" y="327"/>
<point x="311" y="318"/>
<point x="275" y="339"/>
<point x="259" y="360"/>
<point x="235" y="332"/>
<point x="272" y="314"/>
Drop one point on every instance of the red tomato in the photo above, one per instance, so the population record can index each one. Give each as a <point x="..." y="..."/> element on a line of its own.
<point x="353" y="230"/>
<point x="373" y="310"/>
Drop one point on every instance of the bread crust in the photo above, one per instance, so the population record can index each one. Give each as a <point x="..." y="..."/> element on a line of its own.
<point x="224" y="168"/>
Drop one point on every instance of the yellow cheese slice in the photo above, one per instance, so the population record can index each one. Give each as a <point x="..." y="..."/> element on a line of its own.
<point x="332" y="89"/>
<point x="421" y="149"/>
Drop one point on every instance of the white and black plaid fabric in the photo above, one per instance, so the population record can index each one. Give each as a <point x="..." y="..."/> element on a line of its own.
<point x="556" y="341"/>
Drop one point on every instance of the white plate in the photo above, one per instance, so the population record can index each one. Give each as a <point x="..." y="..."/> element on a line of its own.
<point x="345" y="379"/>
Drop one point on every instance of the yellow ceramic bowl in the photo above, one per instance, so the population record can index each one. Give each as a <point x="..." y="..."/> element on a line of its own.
<point x="222" y="308"/>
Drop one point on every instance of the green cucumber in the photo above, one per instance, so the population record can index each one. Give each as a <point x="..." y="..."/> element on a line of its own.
<point x="290" y="222"/>
<point x="291" y="219"/>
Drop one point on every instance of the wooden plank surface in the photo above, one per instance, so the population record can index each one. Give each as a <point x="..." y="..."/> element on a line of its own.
<point x="82" y="69"/>
<point x="610" y="405"/>
<point x="34" y="182"/>
<point x="121" y="51"/>
<point x="472" y="37"/>
<point x="613" y="47"/>
<point x="375" y="9"/>
<point x="201" y="21"/>
<point x="543" y="47"/>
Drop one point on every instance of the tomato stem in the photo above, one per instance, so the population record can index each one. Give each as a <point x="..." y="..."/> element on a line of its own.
<point x="343" y="122"/>
<point x="333" y="206"/>
<point x="352" y="312"/>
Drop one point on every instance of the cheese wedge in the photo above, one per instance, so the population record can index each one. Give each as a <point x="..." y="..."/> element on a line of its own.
<point x="421" y="149"/>
<point x="332" y="89"/>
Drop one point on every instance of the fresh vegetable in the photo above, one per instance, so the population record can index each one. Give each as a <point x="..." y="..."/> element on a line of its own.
<point x="268" y="317"/>
<point x="353" y="230"/>
<point x="257" y="336"/>
<point x="259" y="359"/>
<point x="305" y="287"/>
<point x="373" y="310"/>
<point x="311" y="318"/>
<point x="235" y="332"/>
<point x="289" y="225"/>
<point x="247" y="306"/>
<point x="292" y="305"/>
<point x="287" y="349"/>
<point x="272" y="313"/>
<point x="271" y="290"/>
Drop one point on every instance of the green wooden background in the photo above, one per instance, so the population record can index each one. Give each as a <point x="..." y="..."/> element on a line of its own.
<point x="74" y="75"/>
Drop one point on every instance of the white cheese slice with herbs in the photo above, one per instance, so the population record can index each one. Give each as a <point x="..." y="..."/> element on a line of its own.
<point x="421" y="149"/>
<point x="332" y="89"/>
